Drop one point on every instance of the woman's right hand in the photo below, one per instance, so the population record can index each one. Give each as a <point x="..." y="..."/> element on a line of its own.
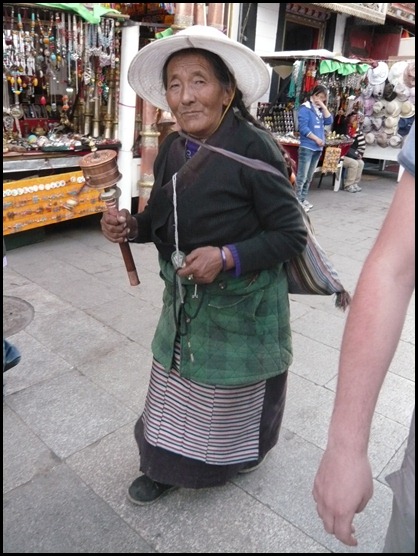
<point x="117" y="227"/>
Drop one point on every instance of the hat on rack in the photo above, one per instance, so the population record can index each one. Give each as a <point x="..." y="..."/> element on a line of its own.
<point x="378" y="90"/>
<point x="405" y="125"/>
<point x="370" y="138"/>
<point x="145" y="73"/>
<point x="393" y="108"/>
<point x="367" y="91"/>
<point x="409" y="75"/>
<point x="407" y="109"/>
<point x="378" y="74"/>
<point x="388" y="92"/>
<point x="402" y="91"/>
<point x="412" y="95"/>
<point x="390" y="125"/>
<point x="382" y="139"/>
<point x="396" y="141"/>
<point x="368" y="106"/>
<point x="367" y="124"/>
<point x="396" y="72"/>
<point x="377" y="123"/>
<point x="378" y="109"/>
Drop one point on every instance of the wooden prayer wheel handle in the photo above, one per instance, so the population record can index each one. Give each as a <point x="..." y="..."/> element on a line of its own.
<point x="110" y="197"/>
<point x="100" y="171"/>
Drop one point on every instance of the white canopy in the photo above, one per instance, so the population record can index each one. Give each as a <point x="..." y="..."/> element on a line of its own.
<point x="290" y="55"/>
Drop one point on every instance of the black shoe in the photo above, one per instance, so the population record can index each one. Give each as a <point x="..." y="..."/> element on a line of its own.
<point x="146" y="491"/>
<point x="11" y="363"/>
<point x="252" y="465"/>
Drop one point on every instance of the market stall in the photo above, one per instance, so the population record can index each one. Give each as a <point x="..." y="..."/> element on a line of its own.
<point x="60" y="91"/>
<point x="383" y="91"/>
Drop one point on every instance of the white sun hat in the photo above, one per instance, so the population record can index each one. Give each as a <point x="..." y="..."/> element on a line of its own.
<point x="145" y="73"/>
<point x="396" y="71"/>
<point x="378" y="74"/>
<point x="393" y="108"/>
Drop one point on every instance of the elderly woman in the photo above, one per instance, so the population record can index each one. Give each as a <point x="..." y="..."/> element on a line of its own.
<point x="222" y="347"/>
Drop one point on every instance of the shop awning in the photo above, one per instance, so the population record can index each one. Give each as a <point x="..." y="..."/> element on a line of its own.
<point x="91" y="16"/>
<point x="287" y="57"/>
<point x="377" y="14"/>
<point x="283" y="61"/>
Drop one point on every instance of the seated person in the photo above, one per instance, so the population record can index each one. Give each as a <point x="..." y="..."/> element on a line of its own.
<point x="351" y="125"/>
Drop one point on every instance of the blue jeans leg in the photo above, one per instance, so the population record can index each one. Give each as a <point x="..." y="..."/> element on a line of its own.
<point x="307" y="163"/>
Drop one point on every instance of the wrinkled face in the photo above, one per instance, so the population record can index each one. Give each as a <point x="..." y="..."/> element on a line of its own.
<point x="195" y="96"/>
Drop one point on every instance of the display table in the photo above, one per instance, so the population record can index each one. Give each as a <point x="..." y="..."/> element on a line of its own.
<point x="38" y="162"/>
<point x="293" y="149"/>
<point x="35" y="202"/>
<point x="374" y="152"/>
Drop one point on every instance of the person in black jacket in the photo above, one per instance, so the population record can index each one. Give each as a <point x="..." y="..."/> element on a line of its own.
<point x="222" y="346"/>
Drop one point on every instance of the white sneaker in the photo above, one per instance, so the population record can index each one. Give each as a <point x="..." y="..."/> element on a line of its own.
<point x="357" y="187"/>
<point x="305" y="208"/>
<point x="351" y="189"/>
<point x="307" y="204"/>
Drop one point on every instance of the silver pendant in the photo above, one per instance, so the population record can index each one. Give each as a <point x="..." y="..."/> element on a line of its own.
<point x="178" y="259"/>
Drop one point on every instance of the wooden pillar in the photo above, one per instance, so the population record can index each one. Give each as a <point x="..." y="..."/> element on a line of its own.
<point x="216" y="15"/>
<point x="200" y="17"/>
<point x="184" y="16"/>
<point x="149" y="151"/>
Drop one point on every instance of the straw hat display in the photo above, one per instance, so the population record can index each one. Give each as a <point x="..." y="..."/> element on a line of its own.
<point x="382" y="139"/>
<point x="389" y="92"/>
<point x="390" y="125"/>
<point x="407" y="109"/>
<point x="379" y="109"/>
<point x="377" y="123"/>
<point x="370" y="138"/>
<point x="396" y="141"/>
<point x="367" y="91"/>
<point x="367" y="124"/>
<point x="409" y="75"/>
<point x="378" y="90"/>
<point x="402" y="91"/>
<point x="368" y="104"/>
<point x="396" y="72"/>
<point x="393" y="108"/>
<point x="405" y="125"/>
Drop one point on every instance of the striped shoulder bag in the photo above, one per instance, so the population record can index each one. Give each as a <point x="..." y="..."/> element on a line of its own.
<point x="311" y="272"/>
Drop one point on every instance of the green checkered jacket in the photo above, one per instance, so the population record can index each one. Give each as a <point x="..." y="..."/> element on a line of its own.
<point x="235" y="332"/>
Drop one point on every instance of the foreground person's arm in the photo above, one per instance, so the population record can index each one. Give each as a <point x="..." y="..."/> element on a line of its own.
<point x="343" y="484"/>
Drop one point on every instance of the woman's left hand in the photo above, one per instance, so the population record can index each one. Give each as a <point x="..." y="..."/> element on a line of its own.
<point x="203" y="265"/>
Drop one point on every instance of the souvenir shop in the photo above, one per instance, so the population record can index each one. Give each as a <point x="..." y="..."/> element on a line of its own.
<point x="65" y="94"/>
<point x="62" y="98"/>
<point x="384" y="92"/>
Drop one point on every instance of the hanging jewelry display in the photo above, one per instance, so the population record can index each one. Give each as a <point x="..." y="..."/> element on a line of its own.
<point x="58" y="67"/>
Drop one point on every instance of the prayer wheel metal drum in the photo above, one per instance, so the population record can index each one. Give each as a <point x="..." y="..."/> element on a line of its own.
<point x="100" y="169"/>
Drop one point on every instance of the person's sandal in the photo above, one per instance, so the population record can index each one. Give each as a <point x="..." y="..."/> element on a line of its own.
<point x="146" y="491"/>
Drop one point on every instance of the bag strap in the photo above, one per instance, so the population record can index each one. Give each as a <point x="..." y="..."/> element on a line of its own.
<point x="255" y="163"/>
<point x="251" y="162"/>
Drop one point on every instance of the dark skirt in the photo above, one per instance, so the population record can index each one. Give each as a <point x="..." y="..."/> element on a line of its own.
<point x="197" y="436"/>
